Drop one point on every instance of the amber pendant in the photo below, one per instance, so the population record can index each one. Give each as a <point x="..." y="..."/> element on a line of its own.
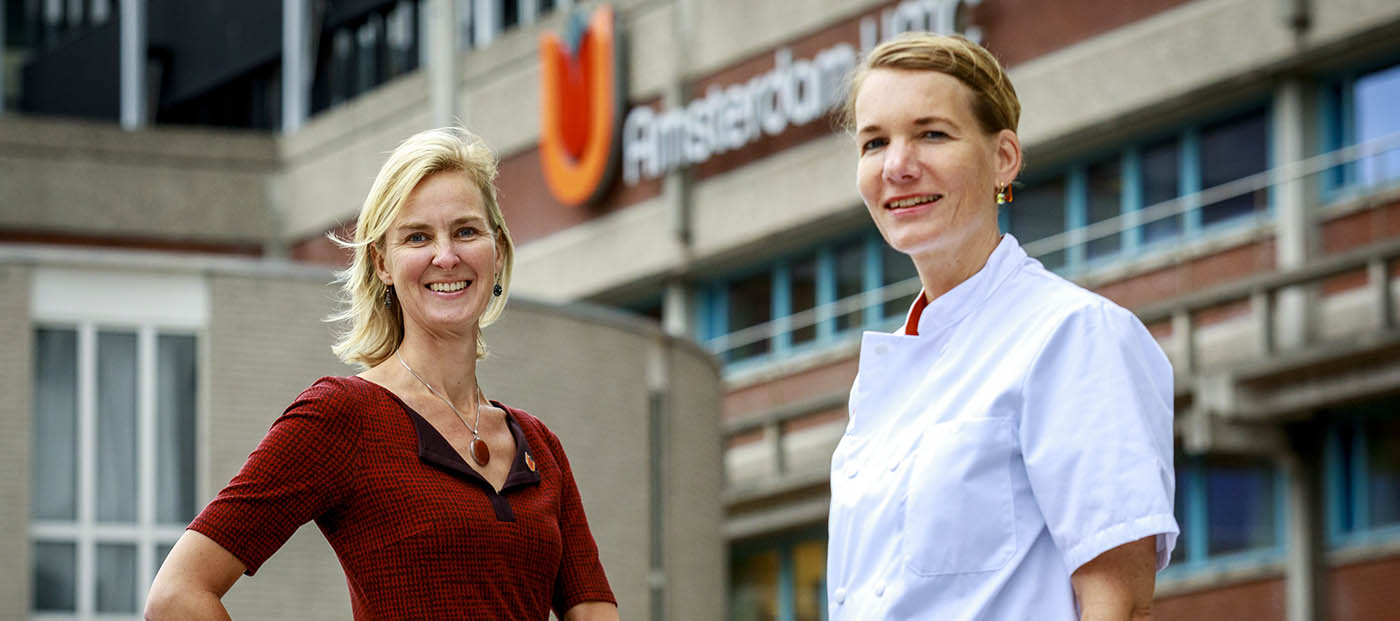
<point x="481" y="453"/>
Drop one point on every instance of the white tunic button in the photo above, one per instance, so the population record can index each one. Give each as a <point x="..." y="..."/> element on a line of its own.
<point x="840" y="595"/>
<point x="894" y="464"/>
<point x="851" y="472"/>
<point x="882" y="349"/>
<point x="880" y="590"/>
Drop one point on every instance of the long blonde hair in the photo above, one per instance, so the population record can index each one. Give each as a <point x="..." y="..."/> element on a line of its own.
<point x="374" y="331"/>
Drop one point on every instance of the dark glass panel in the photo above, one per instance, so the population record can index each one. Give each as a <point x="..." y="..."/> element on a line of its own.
<point x="1104" y="201"/>
<point x="1240" y="505"/>
<point x="1037" y="212"/>
<point x="1161" y="182"/>
<point x="1231" y="150"/>
<point x="750" y="304"/>
<point x="804" y="297"/>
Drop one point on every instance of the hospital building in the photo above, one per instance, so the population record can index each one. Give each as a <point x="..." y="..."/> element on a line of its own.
<point x="694" y="269"/>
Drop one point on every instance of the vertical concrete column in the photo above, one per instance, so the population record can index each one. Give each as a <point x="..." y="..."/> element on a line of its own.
<point x="1294" y="228"/>
<point x="442" y="62"/>
<point x="658" y="371"/>
<point x="133" y="64"/>
<point x="2" y="58"/>
<point x="676" y="317"/>
<point x="1306" y="561"/>
<point x="295" y="18"/>
<point x="678" y="184"/>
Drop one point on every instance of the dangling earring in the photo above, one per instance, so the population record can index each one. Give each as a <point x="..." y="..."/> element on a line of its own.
<point x="389" y="296"/>
<point x="497" y="291"/>
<point x="1004" y="194"/>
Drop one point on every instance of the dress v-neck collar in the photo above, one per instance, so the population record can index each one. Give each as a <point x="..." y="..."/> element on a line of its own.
<point x="436" y="451"/>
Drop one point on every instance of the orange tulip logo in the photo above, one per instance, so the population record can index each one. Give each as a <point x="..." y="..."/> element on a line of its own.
<point x="581" y="101"/>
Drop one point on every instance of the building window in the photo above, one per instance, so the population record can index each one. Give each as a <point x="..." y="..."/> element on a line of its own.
<point x="358" y="54"/>
<point x="510" y="14"/>
<point x="114" y="462"/>
<point x="52" y="23"/>
<point x="1360" y="110"/>
<point x="481" y="21"/>
<point x="755" y="587"/>
<point x="1229" y="510"/>
<point x="750" y="305"/>
<point x="849" y="275"/>
<point x="895" y="268"/>
<point x="1159" y="172"/>
<point x="1234" y="149"/>
<point x="1104" y="201"/>
<point x="1374" y="111"/>
<point x="781" y="580"/>
<point x="1038" y="212"/>
<point x="808" y="299"/>
<point x="1363" y="472"/>
<point x="802" y="296"/>
<point x="1241" y="505"/>
<point x="1126" y="201"/>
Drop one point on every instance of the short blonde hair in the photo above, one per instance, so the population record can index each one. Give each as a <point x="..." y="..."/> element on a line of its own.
<point x="994" y="101"/>
<point x="374" y="331"/>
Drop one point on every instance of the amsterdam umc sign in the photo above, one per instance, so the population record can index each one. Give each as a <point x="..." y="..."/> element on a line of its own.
<point x="584" y="138"/>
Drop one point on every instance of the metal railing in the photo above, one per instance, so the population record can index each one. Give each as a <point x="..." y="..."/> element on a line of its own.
<point x="873" y="301"/>
<point x="1262" y="291"/>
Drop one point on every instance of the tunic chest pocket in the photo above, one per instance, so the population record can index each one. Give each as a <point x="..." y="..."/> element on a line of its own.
<point x="959" y="512"/>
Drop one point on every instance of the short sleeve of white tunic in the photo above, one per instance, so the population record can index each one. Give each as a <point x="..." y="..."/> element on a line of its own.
<point x="1092" y="437"/>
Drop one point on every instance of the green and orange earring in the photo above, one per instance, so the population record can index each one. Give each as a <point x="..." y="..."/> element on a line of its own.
<point x="1004" y="194"/>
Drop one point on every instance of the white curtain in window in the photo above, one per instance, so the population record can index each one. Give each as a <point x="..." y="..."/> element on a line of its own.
<point x="116" y="578"/>
<point x="55" y="495"/>
<point x="55" y="576"/>
<point x="116" y="427"/>
<point x="176" y="375"/>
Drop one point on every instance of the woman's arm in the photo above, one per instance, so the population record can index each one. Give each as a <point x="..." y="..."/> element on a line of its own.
<point x="1118" y="584"/>
<point x="592" y="611"/>
<point x="192" y="580"/>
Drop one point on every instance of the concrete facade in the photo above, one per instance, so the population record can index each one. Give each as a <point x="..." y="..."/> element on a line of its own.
<point x="65" y="179"/>
<point x="686" y="463"/>
<point x="16" y="373"/>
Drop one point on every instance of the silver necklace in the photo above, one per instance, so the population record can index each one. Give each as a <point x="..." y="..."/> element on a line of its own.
<point x="481" y="453"/>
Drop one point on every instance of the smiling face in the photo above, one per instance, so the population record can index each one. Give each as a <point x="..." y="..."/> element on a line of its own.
<point x="928" y="172"/>
<point x="441" y="257"/>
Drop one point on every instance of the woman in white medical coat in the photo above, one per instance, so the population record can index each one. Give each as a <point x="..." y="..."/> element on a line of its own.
<point x="1009" y="452"/>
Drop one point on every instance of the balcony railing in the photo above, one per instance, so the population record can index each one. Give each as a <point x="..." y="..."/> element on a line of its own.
<point x="1330" y="163"/>
<point x="1262" y="292"/>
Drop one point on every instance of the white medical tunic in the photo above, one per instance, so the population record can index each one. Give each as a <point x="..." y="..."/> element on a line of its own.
<point x="1025" y="430"/>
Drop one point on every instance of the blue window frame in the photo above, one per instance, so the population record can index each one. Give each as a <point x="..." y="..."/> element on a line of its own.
<point x="1230" y="510"/>
<point x="807" y="299"/>
<point x="779" y="579"/>
<point x="1110" y="191"/>
<point x="1359" y="108"/>
<point x="820" y="295"/>
<point x="1362" y="465"/>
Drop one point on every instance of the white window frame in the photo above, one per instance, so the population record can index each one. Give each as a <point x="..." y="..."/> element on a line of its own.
<point x="150" y="305"/>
